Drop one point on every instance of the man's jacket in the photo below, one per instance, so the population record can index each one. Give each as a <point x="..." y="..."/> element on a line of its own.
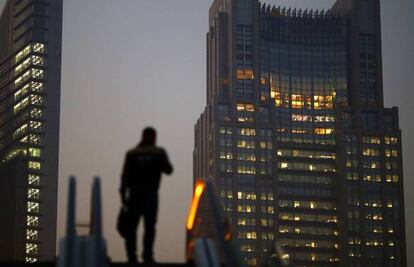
<point x="142" y="170"/>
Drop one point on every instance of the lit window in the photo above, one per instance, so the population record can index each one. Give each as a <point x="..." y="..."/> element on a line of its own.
<point x="276" y="96"/>
<point x="23" y="53"/>
<point x="37" y="74"/>
<point x="35" y="125"/>
<point x="36" y="86"/>
<point x="37" y="61"/>
<point x="34" y="179"/>
<point x="39" y="48"/>
<point x="34" y="152"/>
<point x="284" y="165"/>
<point x="323" y="131"/>
<point x="35" y="139"/>
<point x="32" y="249"/>
<point x="36" y="113"/>
<point x="30" y="260"/>
<point x="32" y="235"/>
<point x="21" y="105"/>
<point x="34" y="165"/>
<point x="32" y="221"/>
<point x="246" y="74"/>
<point x="33" y="193"/>
<point x="33" y="207"/>
<point x="297" y="101"/>
<point x="36" y="100"/>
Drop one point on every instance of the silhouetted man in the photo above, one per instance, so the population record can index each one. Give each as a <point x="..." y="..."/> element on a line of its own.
<point x="141" y="177"/>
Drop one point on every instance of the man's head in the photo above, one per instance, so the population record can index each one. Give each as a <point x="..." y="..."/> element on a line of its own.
<point x="149" y="136"/>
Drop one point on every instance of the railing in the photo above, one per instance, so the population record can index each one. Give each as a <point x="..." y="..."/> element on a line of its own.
<point x="208" y="230"/>
<point x="209" y="234"/>
<point x="83" y="251"/>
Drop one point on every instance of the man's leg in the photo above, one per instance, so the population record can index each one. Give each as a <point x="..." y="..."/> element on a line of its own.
<point x="131" y="239"/>
<point x="150" y="220"/>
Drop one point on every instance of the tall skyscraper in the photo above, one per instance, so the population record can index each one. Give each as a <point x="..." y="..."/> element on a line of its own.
<point x="296" y="136"/>
<point x="30" y="70"/>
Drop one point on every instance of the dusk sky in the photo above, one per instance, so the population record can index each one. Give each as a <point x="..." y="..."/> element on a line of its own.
<point x="128" y="64"/>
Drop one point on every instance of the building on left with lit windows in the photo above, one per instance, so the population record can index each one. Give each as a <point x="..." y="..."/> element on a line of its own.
<point x="30" y="74"/>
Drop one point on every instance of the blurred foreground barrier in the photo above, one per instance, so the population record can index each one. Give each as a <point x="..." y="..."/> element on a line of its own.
<point x="88" y="250"/>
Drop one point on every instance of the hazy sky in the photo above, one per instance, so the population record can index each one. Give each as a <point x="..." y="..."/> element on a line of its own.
<point x="132" y="63"/>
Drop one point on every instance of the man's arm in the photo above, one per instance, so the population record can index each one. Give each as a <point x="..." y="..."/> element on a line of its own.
<point x="167" y="166"/>
<point x="126" y="174"/>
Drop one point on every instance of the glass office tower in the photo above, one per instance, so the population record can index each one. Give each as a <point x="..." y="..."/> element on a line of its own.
<point x="296" y="136"/>
<point x="30" y="70"/>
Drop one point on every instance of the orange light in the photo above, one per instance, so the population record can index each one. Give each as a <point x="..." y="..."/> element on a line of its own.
<point x="199" y="189"/>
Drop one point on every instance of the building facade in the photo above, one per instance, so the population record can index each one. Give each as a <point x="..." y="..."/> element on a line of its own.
<point x="30" y="74"/>
<point x="296" y="136"/>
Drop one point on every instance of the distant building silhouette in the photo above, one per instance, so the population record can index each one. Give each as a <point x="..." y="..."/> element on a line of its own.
<point x="296" y="136"/>
<point x="30" y="70"/>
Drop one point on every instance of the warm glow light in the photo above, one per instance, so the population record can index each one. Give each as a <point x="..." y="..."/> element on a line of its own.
<point x="199" y="189"/>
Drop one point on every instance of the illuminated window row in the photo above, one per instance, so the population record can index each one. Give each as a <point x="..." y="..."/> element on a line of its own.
<point x="36" y="47"/>
<point x="246" y="235"/>
<point x="247" y="248"/>
<point x="391" y="140"/>
<point x="246" y="131"/>
<point x="267" y="209"/>
<point x="32" y="139"/>
<point x="391" y="153"/>
<point x="374" y="243"/>
<point x="245" y="112"/>
<point x="306" y="154"/>
<point x="374" y="217"/>
<point x="33" y="125"/>
<point x="246" y="157"/>
<point x="324" y="131"/>
<point x="301" y="101"/>
<point x="284" y="229"/>
<point x="34" y="100"/>
<point x="307" y="204"/>
<point x="33" y="60"/>
<point x="306" y="166"/>
<point x="244" y="74"/>
<point x="30" y="87"/>
<point x="391" y="178"/>
<point x="310" y="118"/>
<point x="15" y="153"/>
<point x="246" y="221"/>
<point x="371" y="140"/>
<point x="305" y="179"/>
<point x="266" y="196"/>
<point x="32" y="73"/>
<point x="316" y="257"/>
<point x="225" y="130"/>
<point x="226" y="155"/>
<point x="246" y="170"/>
<point x="246" y="208"/>
<point x="309" y="243"/>
<point x="308" y="217"/>
<point x="266" y="145"/>
<point x="267" y="222"/>
<point x="267" y="236"/>
<point x="246" y="195"/>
